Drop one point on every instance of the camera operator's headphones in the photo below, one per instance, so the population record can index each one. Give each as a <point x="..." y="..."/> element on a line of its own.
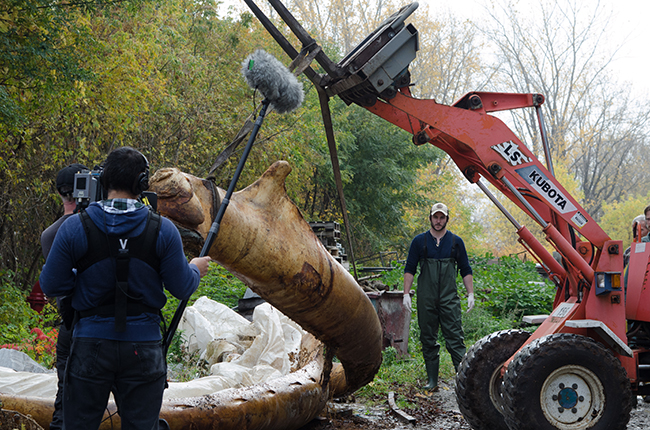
<point x="141" y="182"/>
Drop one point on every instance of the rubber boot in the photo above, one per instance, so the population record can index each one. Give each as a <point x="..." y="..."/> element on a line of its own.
<point x="432" y="375"/>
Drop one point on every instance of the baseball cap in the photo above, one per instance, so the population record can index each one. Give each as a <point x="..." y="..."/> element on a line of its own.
<point x="440" y="207"/>
<point x="638" y="219"/>
<point x="65" y="178"/>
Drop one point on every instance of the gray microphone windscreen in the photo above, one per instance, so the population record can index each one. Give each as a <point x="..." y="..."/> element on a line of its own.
<point x="270" y="77"/>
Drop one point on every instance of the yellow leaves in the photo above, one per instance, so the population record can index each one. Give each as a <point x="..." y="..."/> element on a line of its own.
<point x="5" y="22"/>
<point x="617" y="217"/>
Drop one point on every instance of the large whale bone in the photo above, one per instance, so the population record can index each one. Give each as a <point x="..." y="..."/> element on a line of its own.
<point x="265" y="242"/>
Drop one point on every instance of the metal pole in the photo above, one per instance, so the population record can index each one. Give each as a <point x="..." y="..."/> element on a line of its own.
<point x="331" y="143"/>
<point x="521" y="198"/>
<point x="281" y="40"/>
<point x="542" y="131"/>
<point x="214" y="228"/>
<point x="332" y="69"/>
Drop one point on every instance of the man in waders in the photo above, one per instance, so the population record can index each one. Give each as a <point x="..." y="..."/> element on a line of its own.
<point x="441" y="254"/>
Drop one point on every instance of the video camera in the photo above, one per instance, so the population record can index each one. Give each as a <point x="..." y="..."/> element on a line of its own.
<point x="88" y="188"/>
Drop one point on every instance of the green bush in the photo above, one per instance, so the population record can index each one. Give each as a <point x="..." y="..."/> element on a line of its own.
<point x="480" y="322"/>
<point x="24" y="329"/>
<point x="394" y="279"/>
<point x="15" y="314"/>
<point x="511" y="288"/>
<point x="218" y="284"/>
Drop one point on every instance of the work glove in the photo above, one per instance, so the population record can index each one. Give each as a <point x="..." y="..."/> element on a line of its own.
<point x="470" y="302"/>
<point x="407" y="301"/>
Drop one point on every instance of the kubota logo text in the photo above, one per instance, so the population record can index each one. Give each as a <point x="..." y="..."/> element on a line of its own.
<point x="546" y="188"/>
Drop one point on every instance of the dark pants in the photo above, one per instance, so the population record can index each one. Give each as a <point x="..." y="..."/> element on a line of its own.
<point x="136" y="372"/>
<point x="63" y="342"/>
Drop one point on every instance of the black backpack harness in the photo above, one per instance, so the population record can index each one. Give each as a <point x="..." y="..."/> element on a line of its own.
<point x="102" y="246"/>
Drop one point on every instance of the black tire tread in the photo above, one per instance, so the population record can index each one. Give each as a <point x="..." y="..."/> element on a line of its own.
<point x="470" y="393"/>
<point x="520" y="377"/>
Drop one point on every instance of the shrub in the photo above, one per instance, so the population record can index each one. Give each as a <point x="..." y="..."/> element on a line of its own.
<point x="480" y="322"/>
<point x="23" y="328"/>
<point x="511" y="288"/>
<point x="218" y="284"/>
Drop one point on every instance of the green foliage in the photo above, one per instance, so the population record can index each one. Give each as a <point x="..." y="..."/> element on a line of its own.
<point x="480" y="322"/>
<point x="40" y="42"/>
<point x="379" y="167"/>
<point x="383" y="166"/>
<point x="218" y="284"/>
<point x="394" y="278"/>
<point x="509" y="288"/>
<point x="162" y="77"/>
<point x="14" y="309"/>
<point x="24" y="329"/>
<point x="221" y="286"/>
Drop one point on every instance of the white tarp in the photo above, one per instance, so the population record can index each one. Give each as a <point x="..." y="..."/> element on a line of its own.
<point x="254" y="352"/>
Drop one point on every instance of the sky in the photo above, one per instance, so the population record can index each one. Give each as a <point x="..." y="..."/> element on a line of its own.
<point x="629" y="22"/>
<point x="628" y="31"/>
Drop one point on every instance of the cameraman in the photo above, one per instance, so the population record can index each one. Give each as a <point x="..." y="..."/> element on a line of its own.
<point x="123" y="255"/>
<point x="64" y="186"/>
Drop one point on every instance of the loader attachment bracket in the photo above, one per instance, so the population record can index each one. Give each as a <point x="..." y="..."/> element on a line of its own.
<point x="378" y="66"/>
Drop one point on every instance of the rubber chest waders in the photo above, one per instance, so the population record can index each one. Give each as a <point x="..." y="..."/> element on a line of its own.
<point x="439" y="307"/>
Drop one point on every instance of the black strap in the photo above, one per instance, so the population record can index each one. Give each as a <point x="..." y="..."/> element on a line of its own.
<point x="141" y="247"/>
<point x="102" y="246"/>
<point x="424" y="254"/>
<point x="121" y="288"/>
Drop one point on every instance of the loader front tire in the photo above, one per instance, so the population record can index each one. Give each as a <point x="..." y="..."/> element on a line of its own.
<point x="566" y="382"/>
<point x="478" y="382"/>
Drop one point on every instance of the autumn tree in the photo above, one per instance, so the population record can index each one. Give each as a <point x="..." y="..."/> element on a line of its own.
<point x="448" y="64"/>
<point x="341" y="23"/>
<point x="617" y="216"/>
<point x="593" y="124"/>
<point x="39" y="52"/>
<point x="445" y="67"/>
<point x="162" y="77"/>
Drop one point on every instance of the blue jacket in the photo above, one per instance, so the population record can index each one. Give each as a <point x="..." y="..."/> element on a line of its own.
<point x="437" y="252"/>
<point x="90" y="288"/>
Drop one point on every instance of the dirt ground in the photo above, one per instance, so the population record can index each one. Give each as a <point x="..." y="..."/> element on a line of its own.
<point x="432" y="411"/>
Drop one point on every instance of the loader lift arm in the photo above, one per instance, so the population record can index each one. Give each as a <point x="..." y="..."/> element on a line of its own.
<point x="483" y="146"/>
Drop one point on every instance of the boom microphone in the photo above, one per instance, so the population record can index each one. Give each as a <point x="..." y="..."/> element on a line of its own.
<point x="276" y="83"/>
<point x="282" y="92"/>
